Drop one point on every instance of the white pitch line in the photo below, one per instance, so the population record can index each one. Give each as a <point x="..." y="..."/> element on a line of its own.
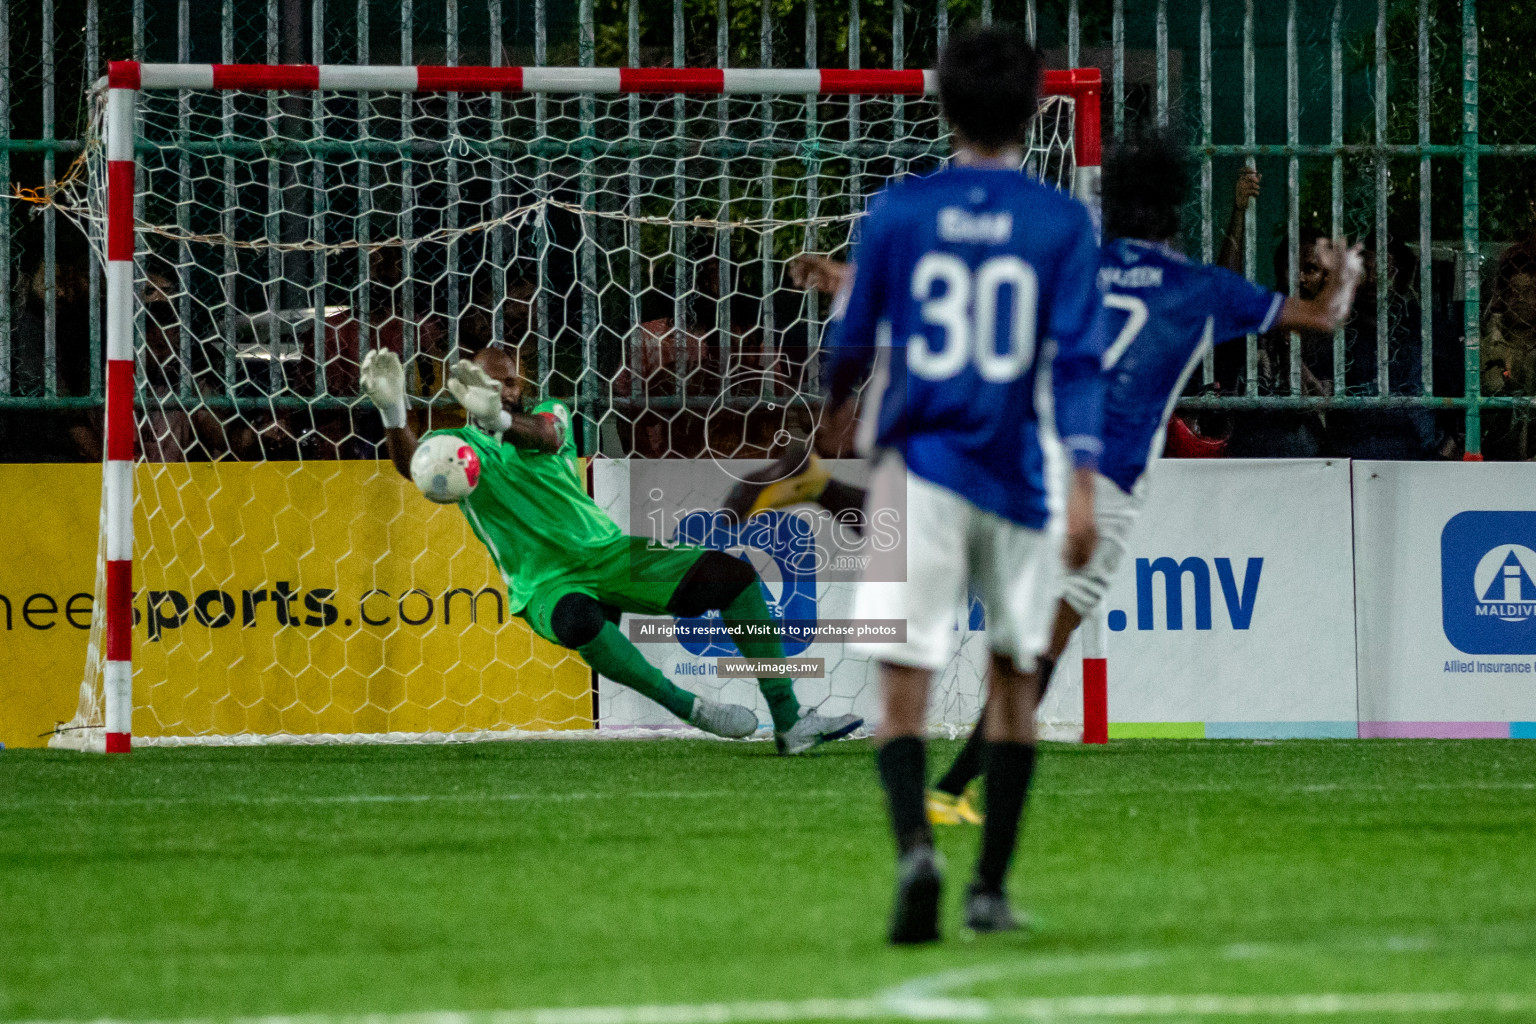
<point x="939" y="1009"/>
<point x="1323" y="787"/>
<point x="1306" y="1005"/>
<point x="1042" y="792"/>
<point x="400" y="798"/>
<point x="944" y="983"/>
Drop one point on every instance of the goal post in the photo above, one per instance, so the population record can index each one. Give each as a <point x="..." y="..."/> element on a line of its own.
<point x="263" y="227"/>
<point x="119" y="427"/>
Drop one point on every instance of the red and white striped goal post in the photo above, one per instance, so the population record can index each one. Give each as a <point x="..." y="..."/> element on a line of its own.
<point x="1081" y="84"/>
<point x="127" y="74"/>
<point x="125" y="79"/>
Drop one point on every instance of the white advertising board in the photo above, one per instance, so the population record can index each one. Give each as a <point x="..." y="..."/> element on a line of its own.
<point x="1232" y="615"/>
<point x="674" y="489"/>
<point x="826" y="592"/>
<point x="1446" y="598"/>
<point x="1257" y="637"/>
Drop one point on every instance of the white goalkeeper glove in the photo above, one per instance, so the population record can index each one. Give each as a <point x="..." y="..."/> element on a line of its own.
<point x="383" y="381"/>
<point x="1345" y="265"/>
<point x="480" y="395"/>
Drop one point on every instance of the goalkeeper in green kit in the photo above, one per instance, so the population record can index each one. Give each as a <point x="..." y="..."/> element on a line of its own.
<point x="570" y="571"/>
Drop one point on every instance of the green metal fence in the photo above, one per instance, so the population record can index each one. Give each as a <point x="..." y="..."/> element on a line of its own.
<point x="1410" y="123"/>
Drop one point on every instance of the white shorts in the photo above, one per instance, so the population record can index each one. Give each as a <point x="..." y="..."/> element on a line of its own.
<point x="950" y="548"/>
<point x="1114" y="513"/>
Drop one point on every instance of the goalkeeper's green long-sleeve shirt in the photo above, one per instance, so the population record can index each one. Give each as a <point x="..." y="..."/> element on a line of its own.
<point x="531" y="510"/>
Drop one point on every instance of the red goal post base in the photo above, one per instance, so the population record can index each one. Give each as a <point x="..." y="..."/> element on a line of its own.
<point x="125" y="79"/>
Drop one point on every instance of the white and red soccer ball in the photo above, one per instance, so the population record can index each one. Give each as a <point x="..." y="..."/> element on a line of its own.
<point x="445" y="469"/>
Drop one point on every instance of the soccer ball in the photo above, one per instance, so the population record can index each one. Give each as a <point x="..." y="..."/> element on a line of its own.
<point x="445" y="469"/>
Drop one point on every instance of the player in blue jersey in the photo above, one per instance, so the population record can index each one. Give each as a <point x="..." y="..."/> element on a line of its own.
<point x="1165" y="312"/>
<point x="974" y="309"/>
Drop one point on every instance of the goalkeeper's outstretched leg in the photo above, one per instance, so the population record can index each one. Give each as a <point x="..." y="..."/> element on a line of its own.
<point x="589" y="627"/>
<point x="580" y="611"/>
<point x="731" y="585"/>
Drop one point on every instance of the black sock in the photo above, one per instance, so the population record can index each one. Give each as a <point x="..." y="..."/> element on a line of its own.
<point x="1009" y="769"/>
<point x="840" y="497"/>
<point x="1045" y="668"/>
<point x="967" y="763"/>
<point x="903" y="772"/>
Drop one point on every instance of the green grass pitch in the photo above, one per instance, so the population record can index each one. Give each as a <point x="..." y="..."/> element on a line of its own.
<point x="681" y="882"/>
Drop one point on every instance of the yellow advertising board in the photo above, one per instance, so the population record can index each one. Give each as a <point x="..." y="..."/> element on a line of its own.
<point x="47" y="577"/>
<point x="322" y="597"/>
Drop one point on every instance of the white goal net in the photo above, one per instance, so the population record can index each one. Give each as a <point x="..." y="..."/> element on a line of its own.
<point x="625" y="232"/>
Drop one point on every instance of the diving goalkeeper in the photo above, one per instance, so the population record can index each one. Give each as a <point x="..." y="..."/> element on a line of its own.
<point x="570" y="571"/>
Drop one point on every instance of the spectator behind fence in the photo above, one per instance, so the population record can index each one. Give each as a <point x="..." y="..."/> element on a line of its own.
<point x="1509" y="351"/>
<point x="1364" y="433"/>
<point x="330" y="430"/>
<point x="52" y="435"/>
<point x="173" y="423"/>
<point x="1271" y="432"/>
<point x="1392" y="434"/>
<point x="738" y="381"/>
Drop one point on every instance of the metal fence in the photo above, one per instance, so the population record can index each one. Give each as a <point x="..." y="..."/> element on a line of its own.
<point x="1408" y="123"/>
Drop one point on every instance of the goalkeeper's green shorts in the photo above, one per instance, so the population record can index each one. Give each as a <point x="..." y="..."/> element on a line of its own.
<point x="630" y="573"/>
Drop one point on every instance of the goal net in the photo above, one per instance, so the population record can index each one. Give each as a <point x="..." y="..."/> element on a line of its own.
<point x="264" y="574"/>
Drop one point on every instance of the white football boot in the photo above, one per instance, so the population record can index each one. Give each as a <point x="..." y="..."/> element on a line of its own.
<point x="732" y="721"/>
<point x="813" y="730"/>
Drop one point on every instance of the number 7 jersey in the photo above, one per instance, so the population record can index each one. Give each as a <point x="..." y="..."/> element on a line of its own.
<point x="975" y="298"/>
<point x="1164" y="311"/>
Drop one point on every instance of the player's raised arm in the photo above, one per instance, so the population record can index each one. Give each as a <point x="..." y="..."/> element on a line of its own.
<point x="1328" y="310"/>
<point x="1077" y="327"/>
<point x="1077" y="383"/>
<point x="490" y="388"/>
<point x="383" y="380"/>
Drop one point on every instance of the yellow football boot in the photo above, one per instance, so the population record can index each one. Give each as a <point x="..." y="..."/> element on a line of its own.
<point x="964" y="809"/>
<point x="968" y="806"/>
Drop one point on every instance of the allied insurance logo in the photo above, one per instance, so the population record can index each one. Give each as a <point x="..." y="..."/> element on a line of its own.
<point x="1488" y="582"/>
<point x="786" y="539"/>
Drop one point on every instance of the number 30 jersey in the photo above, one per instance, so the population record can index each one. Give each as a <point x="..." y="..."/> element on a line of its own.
<point x="1164" y="311"/>
<point x="975" y="298"/>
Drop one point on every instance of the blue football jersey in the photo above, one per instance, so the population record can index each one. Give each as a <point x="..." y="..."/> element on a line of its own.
<point x="1164" y="311"/>
<point x="975" y="298"/>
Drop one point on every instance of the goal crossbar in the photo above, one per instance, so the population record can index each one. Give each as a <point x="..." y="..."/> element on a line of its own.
<point x="1079" y="82"/>
<point x="127" y="78"/>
